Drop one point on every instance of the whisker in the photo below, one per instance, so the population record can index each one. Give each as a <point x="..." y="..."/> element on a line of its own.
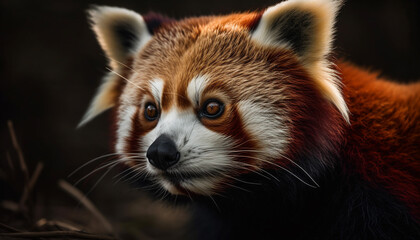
<point x="256" y="171"/>
<point x="99" y="180"/>
<point x="239" y="180"/>
<point x="98" y="169"/>
<point x="264" y="171"/>
<point x="121" y="63"/>
<point x="91" y="161"/>
<point x="139" y="174"/>
<point x="215" y="204"/>
<point x="98" y="158"/>
<point x="148" y="187"/>
<point x="126" y="79"/>
<point x="189" y="195"/>
<point x="281" y="167"/>
<point x="259" y="151"/>
<point x="129" y="171"/>
<point x="301" y="168"/>
<point x="287" y="158"/>
<point x="234" y="186"/>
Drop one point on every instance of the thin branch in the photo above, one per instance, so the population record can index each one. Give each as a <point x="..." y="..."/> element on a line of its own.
<point x="44" y="222"/>
<point x="9" y="228"/>
<point x="27" y="191"/>
<point x="78" y="195"/>
<point x="9" y="160"/>
<point x="56" y="234"/>
<point x="18" y="149"/>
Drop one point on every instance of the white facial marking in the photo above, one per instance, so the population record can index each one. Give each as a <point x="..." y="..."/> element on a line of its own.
<point x="125" y="116"/>
<point x="205" y="186"/>
<point x="156" y="86"/>
<point x="266" y="125"/>
<point x="169" y="186"/>
<point x="196" y="87"/>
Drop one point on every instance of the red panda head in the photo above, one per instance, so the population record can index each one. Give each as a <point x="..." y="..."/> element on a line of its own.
<point x="202" y="101"/>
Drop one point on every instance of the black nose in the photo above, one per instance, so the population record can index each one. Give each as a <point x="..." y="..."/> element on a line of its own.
<point x="163" y="153"/>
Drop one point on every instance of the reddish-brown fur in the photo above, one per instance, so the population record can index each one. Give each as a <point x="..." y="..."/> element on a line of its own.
<point x="382" y="144"/>
<point x="383" y="141"/>
<point x="304" y="142"/>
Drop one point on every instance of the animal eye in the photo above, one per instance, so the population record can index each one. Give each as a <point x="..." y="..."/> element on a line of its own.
<point x="150" y="112"/>
<point x="212" y="109"/>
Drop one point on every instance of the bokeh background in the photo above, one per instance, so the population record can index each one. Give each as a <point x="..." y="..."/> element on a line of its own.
<point x="51" y="66"/>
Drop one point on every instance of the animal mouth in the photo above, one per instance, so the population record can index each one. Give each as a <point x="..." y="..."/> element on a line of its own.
<point x="178" y="177"/>
<point x="190" y="183"/>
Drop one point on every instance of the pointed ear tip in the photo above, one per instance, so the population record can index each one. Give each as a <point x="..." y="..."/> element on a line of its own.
<point x="336" y="4"/>
<point x="80" y="125"/>
<point x="98" y="12"/>
<point x="95" y="10"/>
<point x="87" y="117"/>
<point x="319" y="6"/>
<point x="83" y="122"/>
<point x="339" y="2"/>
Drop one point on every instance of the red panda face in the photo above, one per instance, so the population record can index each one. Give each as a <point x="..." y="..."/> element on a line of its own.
<point x="215" y="99"/>
<point x="207" y="100"/>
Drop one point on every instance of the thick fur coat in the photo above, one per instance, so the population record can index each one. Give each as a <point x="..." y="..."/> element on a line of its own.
<point x="249" y="115"/>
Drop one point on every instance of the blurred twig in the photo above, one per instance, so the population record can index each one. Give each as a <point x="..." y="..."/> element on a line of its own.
<point x="56" y="234"/>
<point x="18" y="149"/>
<point x="25" y="206"/>
<point x="9" y="160"/>
<point x="8" y="228"/>
<point x="28" y="189"/>
<point x="59" y="224"/>
<point x="77" y="194"/>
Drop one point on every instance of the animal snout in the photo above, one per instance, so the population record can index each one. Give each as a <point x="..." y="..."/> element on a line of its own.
<point x="163" y="153"/>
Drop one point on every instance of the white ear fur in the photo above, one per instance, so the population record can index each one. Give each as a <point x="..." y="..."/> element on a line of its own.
<point x="121" y="34"/>
<point x="306" y="27"/>
<point x="105" y="98"/>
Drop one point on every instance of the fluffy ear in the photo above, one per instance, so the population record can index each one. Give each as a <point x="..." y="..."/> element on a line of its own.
<point x="306" y="27"/>
<point x="121" y="34"/>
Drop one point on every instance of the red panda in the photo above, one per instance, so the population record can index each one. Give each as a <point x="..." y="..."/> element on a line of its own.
<point x="249" y="115"/>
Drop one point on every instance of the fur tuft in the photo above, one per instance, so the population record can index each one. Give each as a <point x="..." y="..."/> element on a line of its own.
<point x="307" y="28"/>
<point x="105" y="98"/>
<point x="121" y="34"/>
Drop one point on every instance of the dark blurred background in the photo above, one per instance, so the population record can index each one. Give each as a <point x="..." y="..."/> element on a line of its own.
<point x="51" y="66"/>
